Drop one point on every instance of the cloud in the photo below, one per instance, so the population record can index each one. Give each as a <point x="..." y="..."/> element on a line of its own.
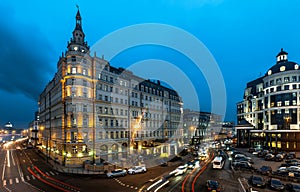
<point x="25" y="58"/>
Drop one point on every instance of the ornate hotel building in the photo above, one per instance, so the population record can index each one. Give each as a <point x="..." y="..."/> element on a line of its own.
<point x="93" y="111"/>
<point x="270" y="111"/>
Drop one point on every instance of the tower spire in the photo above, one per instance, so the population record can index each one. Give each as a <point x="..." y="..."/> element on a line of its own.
<point x="77" y="42"/>
<point x="78" y="20"/>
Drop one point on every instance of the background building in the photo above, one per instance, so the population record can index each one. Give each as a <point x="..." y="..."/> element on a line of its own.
<point x="93" y="111"/>
<point x="200" y="125"/>
<point x="269" y="113"/>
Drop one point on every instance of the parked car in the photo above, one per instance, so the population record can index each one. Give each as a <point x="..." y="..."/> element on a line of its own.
<point x="242" y="165"/>
<point x="137" y="169"/>
<point x="179" y="170"/>
<point x="257" y="181"/>
<point x="116" y="173"/>
<point x="290" y="155"/>
<point x="263" y="153"/>
<point x="269" y="157"/>
<point x="251" y="150"/>
<point x="276" y="184"/>
<point x="213" y="185"/>
<point x="292" y="187"/>
<point x="278" y="157"/>
<point x="265" y="170"/>
<point x="293" y="169"/>
<point x="248" y="159"/>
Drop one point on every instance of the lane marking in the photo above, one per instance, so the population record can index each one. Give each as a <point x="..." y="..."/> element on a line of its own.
<point x="4" y="182"/>
<point x="22" y="178"/>
<point x="17" y="180"/>
<point x="8" y="159"/>
<point x="10" y="181"/>
<point x="27" y="177"/>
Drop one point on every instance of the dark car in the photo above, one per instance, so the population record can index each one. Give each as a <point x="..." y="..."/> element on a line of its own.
<point x="265" y="170"/>
<point x="276" y="184"/>
<point x="290" y="155"/>
<point x="292" y="187"/>
<point x="213" y="185"/>
<point x="242" y="165"/>
<point x="251" y="150"/>
<point x="263" y="153"/>
<point x="257" y="181"/>
<point x="269" y="157"/>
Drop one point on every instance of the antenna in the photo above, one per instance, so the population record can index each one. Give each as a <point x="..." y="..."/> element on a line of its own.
<point x="77" y="6"/>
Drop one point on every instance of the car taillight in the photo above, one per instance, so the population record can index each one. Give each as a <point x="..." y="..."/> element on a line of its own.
<point x="218" y="189"/>
<point x="209" y="188"/>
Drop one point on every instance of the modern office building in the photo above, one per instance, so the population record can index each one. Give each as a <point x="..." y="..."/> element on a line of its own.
<point x="269" y="113"/>
<point x="93" y="111"/>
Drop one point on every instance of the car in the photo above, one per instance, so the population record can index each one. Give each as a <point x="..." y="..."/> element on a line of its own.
<point x="179" y="170"/>
<point x="242" y="165"/>
<point x="263" y="153"/>
<point x="290" y="155"/>
<point x="116" y="173"/>
<point x="137" y="169"/>
<point x="251" y="150"/>
<point x="278" y="157"/>
<point x="292" y="187"/>
<point x="265" y="170"/>
<point x="213" y="185"/>
<point x="293" y="169"/>
<point x="276" y="184"/>
<point x="257" y="181"/>
<point x="269" y="157"/>
<point x="248" y="159"/>
<point x="193" y="163"/>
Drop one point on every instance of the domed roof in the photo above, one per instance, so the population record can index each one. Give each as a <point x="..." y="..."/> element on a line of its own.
<point x="282" y="64"/>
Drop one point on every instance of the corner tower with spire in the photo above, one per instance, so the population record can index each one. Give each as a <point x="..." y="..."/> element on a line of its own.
<point x="77" y="42"/>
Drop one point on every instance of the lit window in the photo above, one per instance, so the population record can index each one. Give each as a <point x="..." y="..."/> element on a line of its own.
<point x="74" y="70"/>
<point x="279" y="103"/>
<point x="296" y="66"/>
<point x="83" y="71"/>
<point x="282" y="68"/>
<point x="287" y="103"/>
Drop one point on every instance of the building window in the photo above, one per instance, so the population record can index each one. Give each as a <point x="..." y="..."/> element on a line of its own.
<point x="73" y="70"/>
<point x="294" y="78"/>
<point x="294" y="102"/>
<point x="84" y="72"/>
<point x="278" y="81"/>
<point x="111" y="123"/>
<point x="278" y="88"/>
<point x="287" y="79"/>
<point x="287" y="103"/>
<point x="279" y="103"/>
<point x="279" y="111"/>
<point x="286" y="87"/>
<point x="271" y="82"/>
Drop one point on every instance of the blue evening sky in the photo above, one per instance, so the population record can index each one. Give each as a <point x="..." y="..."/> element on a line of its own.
<point x="243" y="36"/>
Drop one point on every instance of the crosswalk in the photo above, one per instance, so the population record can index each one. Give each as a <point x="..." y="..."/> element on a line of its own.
<point x="24" y="178"/>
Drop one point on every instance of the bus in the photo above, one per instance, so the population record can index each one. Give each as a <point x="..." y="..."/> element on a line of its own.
<point x="218" y="162"/>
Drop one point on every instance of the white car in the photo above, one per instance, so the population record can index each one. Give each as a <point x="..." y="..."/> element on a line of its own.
<point x="116" y="173"/>
<point x="179" y="170"/>
<point x="137" y="169"/>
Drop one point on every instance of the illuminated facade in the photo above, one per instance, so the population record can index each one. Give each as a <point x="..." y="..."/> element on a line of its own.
<point x="270" y="109"/>
<point x="91" y="110"/>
